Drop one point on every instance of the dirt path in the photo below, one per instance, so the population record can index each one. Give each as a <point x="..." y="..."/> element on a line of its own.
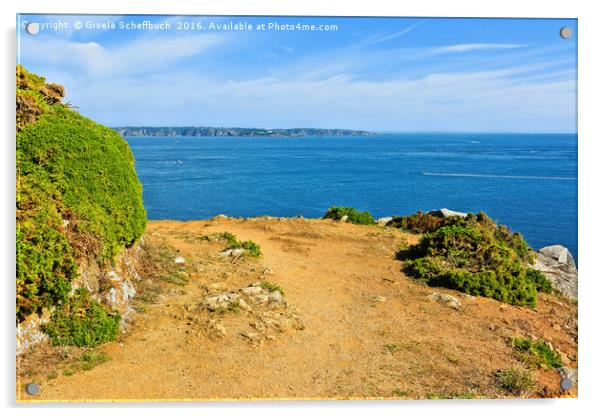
<point x="369" y="331"/>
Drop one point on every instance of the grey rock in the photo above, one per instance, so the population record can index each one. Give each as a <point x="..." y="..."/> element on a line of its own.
<point x="384" y="221"/>
<point x="344" y="218"/>
<point x="179" y="260"/>
<point x="560" y="254"/>
<point x="276" y="297"/>
<point x="449" y="300"/>
<point x="243" y="305"/>
<point x="220" y="301"/>
<point x="446" y="213"/>
<point x="467" y="296"/>
<point x="569" y="373"/>
<point x="558" y="265"/>
<point x="251" y="290"/>
<point x="232" y="252"/>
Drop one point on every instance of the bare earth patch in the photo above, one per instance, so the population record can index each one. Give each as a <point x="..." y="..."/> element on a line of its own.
<point x="345" y="323"/>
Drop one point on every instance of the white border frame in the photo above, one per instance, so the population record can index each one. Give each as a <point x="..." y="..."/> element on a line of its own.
<point x="590" y="138"/>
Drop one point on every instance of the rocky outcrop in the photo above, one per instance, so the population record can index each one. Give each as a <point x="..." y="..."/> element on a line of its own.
<point x="446" y="213"/>
<point x="558" y="265"/>
<point x="448" y="300"/>
<point x="114" y="287"/>
<point x="384" y="221"/>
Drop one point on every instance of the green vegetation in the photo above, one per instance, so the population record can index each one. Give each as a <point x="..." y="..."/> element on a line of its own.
<point x="82" y="321"/>
<point x="400" y="393"/>
<point x="253" y="249"/>
<point x="515" y="380"/>
<point x="91" y="359"/>
<point x="536" y="353"/>
<point x="420" y="223"/>
<point x="229" y="237"/>
<point x="352" y="214"/>
<point x="476" y="256"/>
<point x="178" y="278"/>
<point x="392" y="348"/>
<point x="77" y="194"/>
<point x="272" y="287"/>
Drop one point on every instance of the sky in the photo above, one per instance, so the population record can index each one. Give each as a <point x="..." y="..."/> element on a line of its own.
<point x="377" y="74"/>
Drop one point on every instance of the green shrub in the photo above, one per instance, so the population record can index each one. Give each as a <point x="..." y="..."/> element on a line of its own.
<point x="515" y="380"/>
<point x="272" y="287"/>
<point x="230" y="238"/>
<point x="253" y="249"/>
<point x="419" y="223"/>
<point x="476" y="256"/>
<point x="82" y="321"/>
<point x="353" y="215"/>
<point x="537" y="353"/>
<point x="68" y="168"/>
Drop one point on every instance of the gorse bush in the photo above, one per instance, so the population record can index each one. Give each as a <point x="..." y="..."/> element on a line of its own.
<point x="352" y="214"/>
<point x="77" y="194"/>
<point x="479" y="257"/>
<point x="82" y="321"/>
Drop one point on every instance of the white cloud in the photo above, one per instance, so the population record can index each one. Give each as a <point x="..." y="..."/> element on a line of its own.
<point x="485" y="101"/>
<point x="146" y="54"/>
<point x="379" y="39"/>
<point x="468" y="47"/>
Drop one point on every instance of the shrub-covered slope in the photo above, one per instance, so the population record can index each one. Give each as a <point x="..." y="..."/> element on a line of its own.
<point x="476" y="256"/>
<point x="77" y="194"/>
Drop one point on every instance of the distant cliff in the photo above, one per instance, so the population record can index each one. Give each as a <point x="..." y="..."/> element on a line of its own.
<point x="234" y="132"/>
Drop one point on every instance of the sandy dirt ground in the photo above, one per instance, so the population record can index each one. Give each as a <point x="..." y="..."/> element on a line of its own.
<point x="368" y="331"/>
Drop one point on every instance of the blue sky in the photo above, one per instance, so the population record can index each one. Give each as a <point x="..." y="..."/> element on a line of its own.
<point x="381" y="74"/>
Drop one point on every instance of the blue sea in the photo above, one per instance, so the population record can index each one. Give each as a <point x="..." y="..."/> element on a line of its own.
<point x="527" y="181"/>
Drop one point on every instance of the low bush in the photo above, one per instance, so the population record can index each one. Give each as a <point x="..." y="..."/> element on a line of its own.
<point x="536" y="353"/>
<point x="252" y="248"/>
<point x="476" y="256"/>
<point x="419" y="223"/>
<point x="515" y="380"/>
<point x="352" y="214"/>
<point x="82" y="321"/>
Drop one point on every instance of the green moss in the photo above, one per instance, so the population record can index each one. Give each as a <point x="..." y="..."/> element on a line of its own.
<point x="68" y="168"/>
<point x="82" y="321"/>
<point x="536" y="353"/>
<point x="479" y="257"/>
<point x="353" y="215"/>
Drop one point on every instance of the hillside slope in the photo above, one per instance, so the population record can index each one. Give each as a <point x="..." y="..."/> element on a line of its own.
<point x="366" y="330"/>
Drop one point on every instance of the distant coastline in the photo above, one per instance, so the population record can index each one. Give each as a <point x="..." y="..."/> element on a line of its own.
<point x="234" y="132"/>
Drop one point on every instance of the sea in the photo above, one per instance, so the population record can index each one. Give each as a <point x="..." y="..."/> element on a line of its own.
<point x="526" y="181"/>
